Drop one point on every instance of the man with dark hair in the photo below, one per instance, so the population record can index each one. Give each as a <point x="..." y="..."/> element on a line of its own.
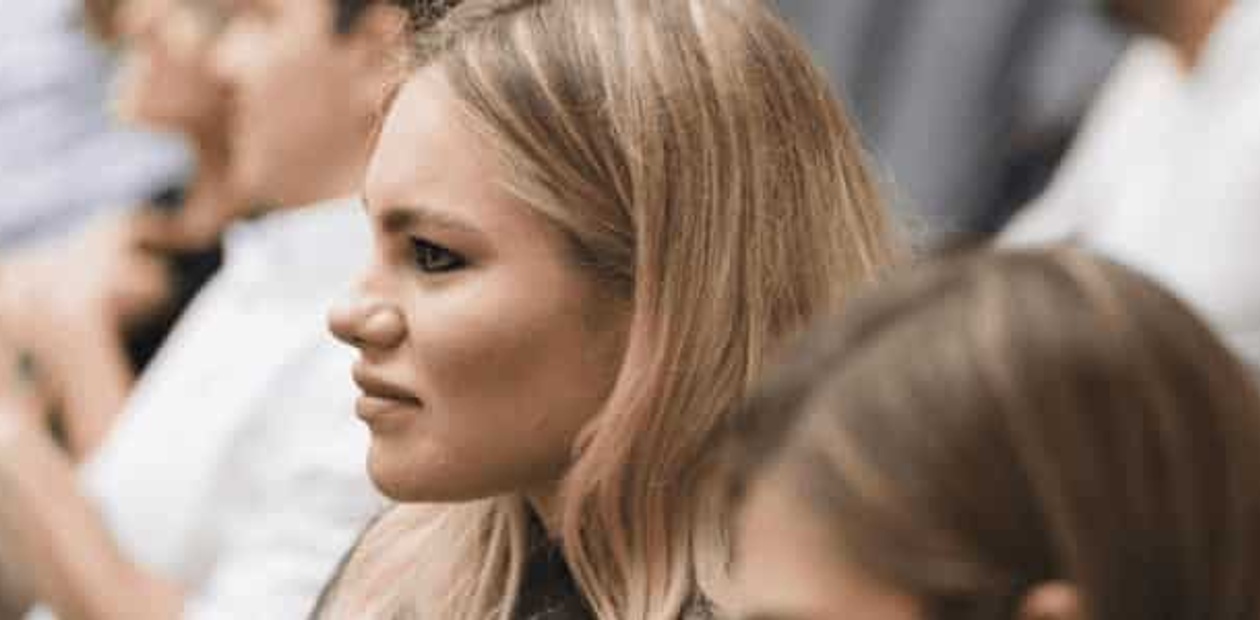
<point x="1164" y="177"/>
<point x="236" y="475"/>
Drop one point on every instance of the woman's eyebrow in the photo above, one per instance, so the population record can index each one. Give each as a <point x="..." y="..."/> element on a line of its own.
<point x="399" y="218"/>
<point x="395" y="219"/>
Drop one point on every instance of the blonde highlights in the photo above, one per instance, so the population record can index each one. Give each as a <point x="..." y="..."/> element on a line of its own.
<point x="704" y="172"/>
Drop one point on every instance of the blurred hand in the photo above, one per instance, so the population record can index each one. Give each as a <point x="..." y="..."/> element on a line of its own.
<point x="90" y="288"/>
<point x="23" y="409"/>
<point x="110" y="276"/>
<point x="128" y="281"/>
<point x="22" y="413"/>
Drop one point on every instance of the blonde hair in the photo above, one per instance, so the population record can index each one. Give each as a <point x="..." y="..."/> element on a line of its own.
<point x="702" y="169"/>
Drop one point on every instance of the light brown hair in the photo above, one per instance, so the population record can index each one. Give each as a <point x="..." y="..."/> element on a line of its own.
<point x="704" y="172"/>
<point x="1000" y="421"/>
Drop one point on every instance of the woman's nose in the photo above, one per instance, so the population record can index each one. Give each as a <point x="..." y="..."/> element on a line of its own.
<point x="367" y="323"/>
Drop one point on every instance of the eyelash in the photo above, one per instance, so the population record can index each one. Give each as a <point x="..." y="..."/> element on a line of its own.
<point x="433" y="259"/>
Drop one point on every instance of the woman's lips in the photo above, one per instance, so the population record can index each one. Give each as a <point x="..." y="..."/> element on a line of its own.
<point x="373" y="385"/>
<point x="381" y="400"/>
<point x="379" y="411"/>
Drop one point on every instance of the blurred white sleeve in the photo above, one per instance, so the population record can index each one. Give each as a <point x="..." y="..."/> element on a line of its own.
<point x="1121" y="131"/>
<point x="307" y="498"/>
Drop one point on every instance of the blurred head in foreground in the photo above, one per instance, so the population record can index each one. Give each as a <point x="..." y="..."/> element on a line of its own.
<point x="1023" y="435"/>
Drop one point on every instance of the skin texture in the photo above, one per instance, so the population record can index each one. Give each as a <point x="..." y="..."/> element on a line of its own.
<point x="55" y="549"/>
<point x="789" y="570"/>
<point x="166" y="81"/>
<point x="497" y="347"/>
<point x="71" y="331"/>
<point x="304" y="96"/>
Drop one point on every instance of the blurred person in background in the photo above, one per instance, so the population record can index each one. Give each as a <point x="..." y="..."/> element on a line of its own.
<point x="967" y="106"/>
<point x="1020" y="436"/>
<point x="1164" y="177"/>
<point x="112" y="292"/>
<point x="61" y="157"/>
<point x="234" y="478"/>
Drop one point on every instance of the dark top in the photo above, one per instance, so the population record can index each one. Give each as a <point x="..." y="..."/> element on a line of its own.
<point x="548" y="589"/>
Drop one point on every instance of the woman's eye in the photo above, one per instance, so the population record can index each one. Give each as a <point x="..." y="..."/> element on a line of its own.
<point x="432" y="258"/>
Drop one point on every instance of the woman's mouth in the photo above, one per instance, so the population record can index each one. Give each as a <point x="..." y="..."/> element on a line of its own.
<point x="381" y="400"/>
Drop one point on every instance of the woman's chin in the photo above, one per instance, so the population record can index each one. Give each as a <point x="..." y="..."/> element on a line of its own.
<point x="395" y="476"/>
<point x="399" y="475"/>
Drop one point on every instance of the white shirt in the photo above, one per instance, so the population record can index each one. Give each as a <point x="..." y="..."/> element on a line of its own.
<point x="238" y="468"/>
<point x="61" y="155"/>
<point x="1166" y="177"/>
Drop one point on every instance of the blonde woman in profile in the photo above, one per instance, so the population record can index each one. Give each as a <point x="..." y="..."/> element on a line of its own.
<point x="1023" y="436"/>
<point x="595" y="221"/>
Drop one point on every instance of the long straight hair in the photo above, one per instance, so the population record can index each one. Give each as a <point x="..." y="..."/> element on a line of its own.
<point x="704" y="172"/>
<point x="997" y="422"/>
